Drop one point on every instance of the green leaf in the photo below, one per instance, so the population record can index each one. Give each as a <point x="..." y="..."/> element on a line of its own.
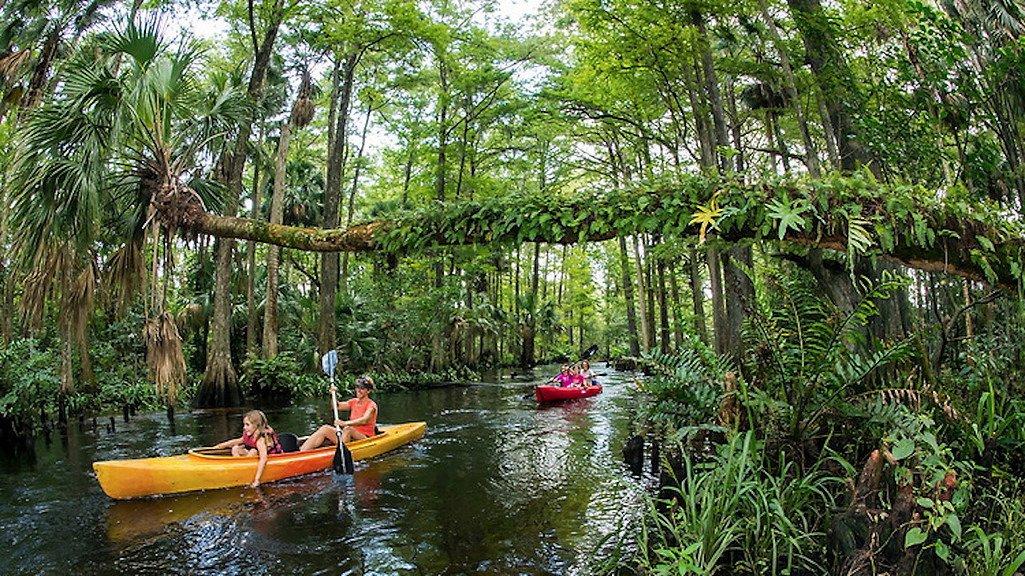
<point x="885" y="237"/>
<point x="1015" y="564"/>
<point x="914" y="537"/>
<point x="903" y="449"/>
<point x="924" y="502"/>
<point x="859" y="240"/>
<point x="788" y="214"/>
<point x="954" y="523"/>
<point x="942" y="551"/>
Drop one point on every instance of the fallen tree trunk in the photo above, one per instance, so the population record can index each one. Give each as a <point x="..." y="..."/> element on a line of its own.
<point x="907" y="224"/>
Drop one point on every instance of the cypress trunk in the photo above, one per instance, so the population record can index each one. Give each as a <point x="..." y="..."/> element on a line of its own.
<point x="739" y="296"/>
<point x="790" y="85"/>
<point x="697" y="295"/>
<point x="642" y="298"/>
<point x="628" y="295"/>
<point x="663" y="309"/>
<point x="650" y="285"/>
<point x="332" y="200"/>
<point x="351" y="209"/>
<point x="220" y="381"/>
<point x="252" y="324"/>
<point x="832" y="76"/>
<point x="718" y="307"/>
<point x="675" y="305"/>
<point x="270" y="311"/>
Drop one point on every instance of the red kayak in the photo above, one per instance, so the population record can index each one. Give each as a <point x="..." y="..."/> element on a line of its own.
<point x="556" y="393"/>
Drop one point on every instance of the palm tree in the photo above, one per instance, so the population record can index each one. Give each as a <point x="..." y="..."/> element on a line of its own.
<point x="301" y="115"/>
<point x="112" y="158"/>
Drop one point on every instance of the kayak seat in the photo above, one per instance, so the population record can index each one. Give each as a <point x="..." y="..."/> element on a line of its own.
<point x="289" y="442"/>
<point x="377" y="430"/>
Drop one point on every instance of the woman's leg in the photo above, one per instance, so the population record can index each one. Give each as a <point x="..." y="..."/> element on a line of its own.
<point x="323" y="434"/>
<point x="350" y="434"/>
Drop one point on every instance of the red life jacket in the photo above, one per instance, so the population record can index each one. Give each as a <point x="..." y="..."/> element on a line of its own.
<point x="271" y="437"/>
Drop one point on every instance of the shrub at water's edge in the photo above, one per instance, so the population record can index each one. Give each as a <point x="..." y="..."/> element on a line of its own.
<point x="832" y="454"/>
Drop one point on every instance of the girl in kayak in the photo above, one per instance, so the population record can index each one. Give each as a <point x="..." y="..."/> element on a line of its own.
<point x="576" y="378"/>
<point x="586" y="374"/>
<point x="362" y="420"/>
<point x="258" y="439"/>
<point x="563" y="378"/>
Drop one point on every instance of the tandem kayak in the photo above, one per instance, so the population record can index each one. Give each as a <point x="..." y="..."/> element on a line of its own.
<point x="208" y="468"/>
<point x="556" y="393"/>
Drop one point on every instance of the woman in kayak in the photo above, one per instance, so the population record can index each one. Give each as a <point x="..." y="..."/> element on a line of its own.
<point x="563" y="378"/>
<point x="258" y="439"/>
<point x="362" y="420"/>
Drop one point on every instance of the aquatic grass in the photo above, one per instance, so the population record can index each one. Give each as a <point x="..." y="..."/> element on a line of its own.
<point x="996" y="545"/>
<point x="736" y="511"/>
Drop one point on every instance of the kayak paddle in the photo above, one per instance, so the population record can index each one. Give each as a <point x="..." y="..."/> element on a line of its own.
<point x="342" y="463"/>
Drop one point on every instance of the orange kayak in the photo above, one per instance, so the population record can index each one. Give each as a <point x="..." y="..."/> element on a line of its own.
<point x="208" y="468"/>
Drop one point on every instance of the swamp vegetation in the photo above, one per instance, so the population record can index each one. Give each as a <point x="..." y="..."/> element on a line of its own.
<point x="801" y="219"/>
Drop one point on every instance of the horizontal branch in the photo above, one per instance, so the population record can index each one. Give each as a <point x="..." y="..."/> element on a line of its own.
<point x="908" y="224"/>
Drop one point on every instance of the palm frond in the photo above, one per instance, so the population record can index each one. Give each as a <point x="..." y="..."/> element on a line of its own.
<point x="125" y="274"/>
<point x="164" y="356"/>
<point x="141" y="41"/>
<point x="12" y="63"/>
<point x="911" y="398"/>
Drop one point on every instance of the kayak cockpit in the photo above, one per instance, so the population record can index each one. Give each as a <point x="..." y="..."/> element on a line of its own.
<point x="290" y="447"/>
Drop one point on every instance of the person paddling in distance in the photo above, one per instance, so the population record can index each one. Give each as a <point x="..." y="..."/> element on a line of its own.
<point x="361" y="423"/>
<point x="258" y="439"/>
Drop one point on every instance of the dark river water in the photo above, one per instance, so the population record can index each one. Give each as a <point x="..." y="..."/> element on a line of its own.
<point x="497" y="486"/>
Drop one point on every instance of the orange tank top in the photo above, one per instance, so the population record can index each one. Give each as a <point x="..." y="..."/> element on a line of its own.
<point x="356" y="411"/>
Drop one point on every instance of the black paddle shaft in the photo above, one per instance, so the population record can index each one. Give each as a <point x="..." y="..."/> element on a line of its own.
<point x="342" y="462"/>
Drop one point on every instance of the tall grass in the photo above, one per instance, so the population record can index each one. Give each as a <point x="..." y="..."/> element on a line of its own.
<point x="737" y="514"/>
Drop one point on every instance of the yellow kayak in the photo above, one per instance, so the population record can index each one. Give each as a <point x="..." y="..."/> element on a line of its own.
<point x="208" y="468"/>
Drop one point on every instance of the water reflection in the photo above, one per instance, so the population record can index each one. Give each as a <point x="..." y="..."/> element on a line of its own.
<point x="497" y="486"/>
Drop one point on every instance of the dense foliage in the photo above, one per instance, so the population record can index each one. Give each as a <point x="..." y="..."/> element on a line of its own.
<point x="857" y="473"/>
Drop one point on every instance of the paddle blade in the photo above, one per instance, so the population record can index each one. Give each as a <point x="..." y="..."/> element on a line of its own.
<point x="342" y="462"/>
<point x="329" y="361"/>
<point x="347" y="464"/>
<point x="338" y="464"/>
<point x="589" y="352"/>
